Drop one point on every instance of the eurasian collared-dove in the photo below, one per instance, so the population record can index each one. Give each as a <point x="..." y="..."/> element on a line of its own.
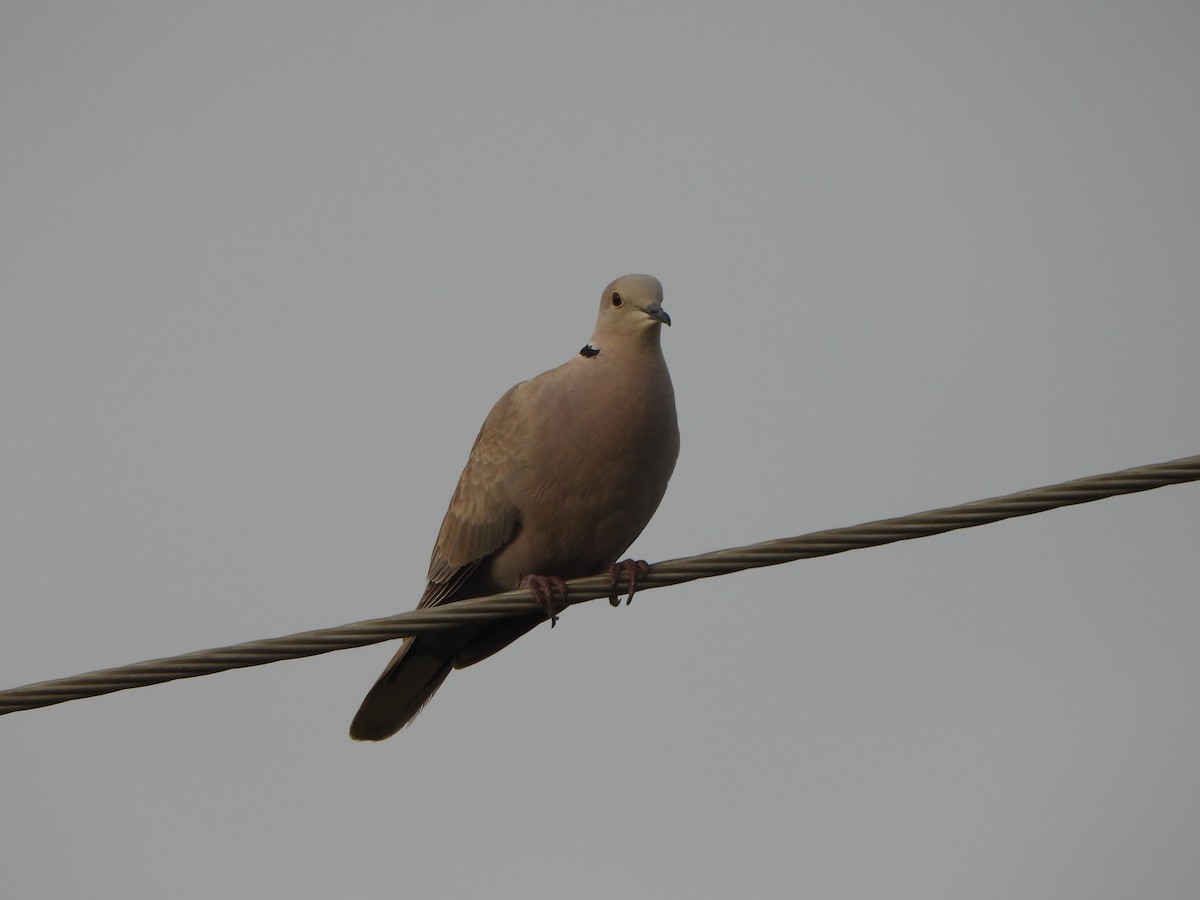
<point x="566" y="471"/>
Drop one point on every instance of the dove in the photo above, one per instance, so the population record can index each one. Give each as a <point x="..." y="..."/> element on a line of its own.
<point x="565" y="473"/>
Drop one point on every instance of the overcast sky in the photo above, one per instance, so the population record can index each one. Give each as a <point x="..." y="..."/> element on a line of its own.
<point x="267" y="266"/>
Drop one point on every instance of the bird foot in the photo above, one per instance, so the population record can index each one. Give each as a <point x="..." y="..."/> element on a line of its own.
<point x="543" y="588"/>
<point x="631" y="570"/>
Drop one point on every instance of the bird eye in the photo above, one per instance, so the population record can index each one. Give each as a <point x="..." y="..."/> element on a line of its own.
<point x="616" y="299"/>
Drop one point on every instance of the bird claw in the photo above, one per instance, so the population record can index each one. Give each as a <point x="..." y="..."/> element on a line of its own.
<point x="543" y="588"/>
<point x="631" y="570"/>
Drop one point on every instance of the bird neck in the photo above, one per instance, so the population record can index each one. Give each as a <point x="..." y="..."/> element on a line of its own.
<point x="646" y="341"/>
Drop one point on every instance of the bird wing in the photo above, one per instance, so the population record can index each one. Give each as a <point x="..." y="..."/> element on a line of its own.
<point x="482" y="516"/>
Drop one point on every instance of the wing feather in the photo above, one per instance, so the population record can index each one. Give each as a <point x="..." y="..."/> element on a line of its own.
<point x="482" y="516"/>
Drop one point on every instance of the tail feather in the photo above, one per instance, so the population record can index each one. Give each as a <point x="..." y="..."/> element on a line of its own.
<point x="495" y="638"/>
<point x="405" y="686"/>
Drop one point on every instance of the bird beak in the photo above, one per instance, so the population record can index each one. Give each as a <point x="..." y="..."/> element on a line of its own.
<point x="655" y="311"/>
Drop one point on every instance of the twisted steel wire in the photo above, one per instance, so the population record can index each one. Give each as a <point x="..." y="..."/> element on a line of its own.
<point x="675" y="571"/>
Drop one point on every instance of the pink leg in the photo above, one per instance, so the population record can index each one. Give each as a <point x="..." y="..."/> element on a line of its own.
<point x="631" y="570"/>
<point x="543" y="588"/>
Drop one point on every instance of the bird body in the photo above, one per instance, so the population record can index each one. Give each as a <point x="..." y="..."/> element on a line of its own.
<point x="565" y="473"/>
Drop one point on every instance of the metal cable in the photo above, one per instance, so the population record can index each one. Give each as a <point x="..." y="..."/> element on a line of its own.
<point x="675" y="571"/>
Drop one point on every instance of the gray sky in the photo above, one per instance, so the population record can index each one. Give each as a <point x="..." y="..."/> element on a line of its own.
<point x="265" y="270"/>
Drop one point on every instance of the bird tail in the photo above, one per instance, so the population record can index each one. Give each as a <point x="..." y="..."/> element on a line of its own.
<point x="495" y="638"/>
<point x="401" y="691"/>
